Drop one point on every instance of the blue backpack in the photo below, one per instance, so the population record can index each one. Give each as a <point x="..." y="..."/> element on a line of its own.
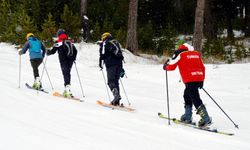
<point x="35" y="45"/>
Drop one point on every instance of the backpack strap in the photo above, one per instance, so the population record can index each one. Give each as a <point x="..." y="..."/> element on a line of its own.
<point x="69" y="47"/>
<point x="118" y="50"/>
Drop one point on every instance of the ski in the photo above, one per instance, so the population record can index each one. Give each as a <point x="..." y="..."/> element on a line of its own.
<point x="121" y="107"/>
<point x="40" y="90"/>
<point x="57" y="94"/>
<point x="193" y="125"/>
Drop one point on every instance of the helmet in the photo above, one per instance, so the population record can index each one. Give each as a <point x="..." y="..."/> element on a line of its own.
<point x="105" y="36"/>
<point x="28" y="35"/>
<point x="60" y="31"/>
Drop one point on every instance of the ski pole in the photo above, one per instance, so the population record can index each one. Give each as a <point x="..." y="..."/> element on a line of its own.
<point x="48" y="75"/>
<point x="19" y="71"/>
<point x="44" y="67"/>
<point x="125" y="92"/>
<point x="167" y="97"/>
<point x="79" y="80"/>
<point x="106" y="85"/>
<point x="236" y="126"/>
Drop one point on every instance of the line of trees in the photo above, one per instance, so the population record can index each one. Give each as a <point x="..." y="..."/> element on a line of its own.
<point x="149" y="26"/>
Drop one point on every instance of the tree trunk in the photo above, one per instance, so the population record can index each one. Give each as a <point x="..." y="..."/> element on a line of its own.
<point x="198" y="27"/>
<point x="84" y="21"/>
<point x="229" y="9"/>
<point x="132" y="42"/>
<point x="84" y="7"/>
<point x="209" y="25"/>
<point x="178" y="5"/>
<point x="247" y="18"/>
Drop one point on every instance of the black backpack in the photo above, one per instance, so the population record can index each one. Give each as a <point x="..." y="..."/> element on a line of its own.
<point x="117" y="51"/>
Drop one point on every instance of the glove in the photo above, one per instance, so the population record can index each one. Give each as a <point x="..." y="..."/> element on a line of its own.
<point x="122" y="73"/>
<point x="165" y="64"/>
<point x="200" y="86"/>
<point x="20" y="52"/>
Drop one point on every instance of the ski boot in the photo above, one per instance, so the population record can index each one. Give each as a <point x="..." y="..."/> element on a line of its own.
<point x="187" y="116"/>
<point x="205" y="119"/>
<point x="67" y="92"/>
<point x="37" y="84"/>
<point x="117" y="97"/>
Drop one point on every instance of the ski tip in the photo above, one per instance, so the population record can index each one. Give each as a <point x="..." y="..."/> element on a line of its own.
<point x="159" y="114"/>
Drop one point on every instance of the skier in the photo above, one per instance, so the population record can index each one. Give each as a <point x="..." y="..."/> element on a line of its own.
<point x="36" y="53"/>
<point x="111" y="54"/>
<point x="192" y="71"/>
<point x="85" y="28"/>
<point x="67" y="55"/>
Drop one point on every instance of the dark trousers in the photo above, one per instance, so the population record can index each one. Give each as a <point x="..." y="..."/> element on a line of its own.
<point x="113" y="74"/>
<point x="66" y="69"/>
<point x="191" y="94"/>
<point x="35" y="63"/>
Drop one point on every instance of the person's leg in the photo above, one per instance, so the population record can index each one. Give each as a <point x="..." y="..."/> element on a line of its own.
<point x="187" y="116"/>
<point x="201" y="109"/>
<point x="113" y="83"/>
<point x="35" y="63"/>
<point x="66" y="69"/>
<point x="193" y="93"/>
<point x="111" y="72"/>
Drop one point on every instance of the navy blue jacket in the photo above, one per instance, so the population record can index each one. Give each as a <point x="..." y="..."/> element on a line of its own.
<point x="63" y="52"/>
<point x="107" y="54"/>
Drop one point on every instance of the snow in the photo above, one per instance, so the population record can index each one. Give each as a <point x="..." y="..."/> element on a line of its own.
<point x="31" y="120"/>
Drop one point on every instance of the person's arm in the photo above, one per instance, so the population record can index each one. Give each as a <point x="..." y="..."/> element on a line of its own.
<point x="25" y="48"/>
<point x="172" y="63"/>
<point x="43" y="50"/>
<point x="53" y="50"/>
<point x="101" y="54"/>
<point x="74" y="52"/>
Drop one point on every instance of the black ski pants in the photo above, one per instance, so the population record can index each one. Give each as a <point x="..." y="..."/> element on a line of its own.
<point x="113" y="74"/>
<point x="66" y="69"/>
<point x="35" y="63"/>
<point x="191" y="94"/>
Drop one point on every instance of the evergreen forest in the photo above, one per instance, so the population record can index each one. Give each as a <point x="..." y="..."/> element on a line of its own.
<point x="160" y="23"/>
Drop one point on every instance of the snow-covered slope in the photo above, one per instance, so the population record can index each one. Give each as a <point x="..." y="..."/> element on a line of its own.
<point x="39" y="121"/>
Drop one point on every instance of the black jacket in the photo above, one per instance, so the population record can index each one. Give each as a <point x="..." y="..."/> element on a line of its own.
<point x="107" y="54"/>
<point x="63" y="52"/>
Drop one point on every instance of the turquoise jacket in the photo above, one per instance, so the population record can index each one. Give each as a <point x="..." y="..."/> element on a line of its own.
<point x="35" y="47"/>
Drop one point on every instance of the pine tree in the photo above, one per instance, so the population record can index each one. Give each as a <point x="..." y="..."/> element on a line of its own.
<point x="5" y="16"/>
<point x="70" y="23"/>
<point x="26" y="22"/>
<point x="49" y="30"/>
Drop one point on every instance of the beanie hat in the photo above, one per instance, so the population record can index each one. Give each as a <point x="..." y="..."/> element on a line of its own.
<point x="186" y="46"/>
<point x="60" y="31"/>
